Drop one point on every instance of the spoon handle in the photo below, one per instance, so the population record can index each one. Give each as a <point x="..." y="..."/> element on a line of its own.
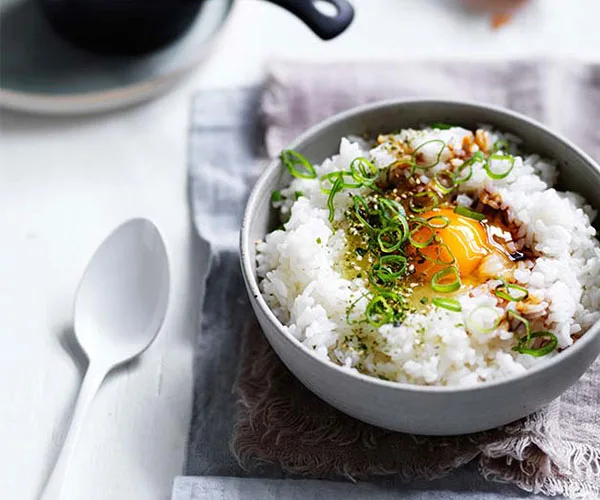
<point x="91" y="382"/>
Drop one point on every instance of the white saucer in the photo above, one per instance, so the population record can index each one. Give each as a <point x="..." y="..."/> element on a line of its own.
<point x="40" y="72"/>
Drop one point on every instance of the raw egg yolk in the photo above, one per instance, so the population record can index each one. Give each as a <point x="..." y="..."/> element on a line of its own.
<point x="463" y="243"/>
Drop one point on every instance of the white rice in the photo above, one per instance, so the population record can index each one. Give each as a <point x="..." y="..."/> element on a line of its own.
<point x="302" y="283"/>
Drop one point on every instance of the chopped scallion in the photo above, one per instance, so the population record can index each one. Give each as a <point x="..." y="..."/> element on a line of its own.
<point x="337" y="186"/>
<point x="363" y="171"/>
<point x="444" y="182"/>
<point x="495" y="174"/>
<point x="439" y="281"/>
<point x="297" y="164"/>
<point x="362" y="211"/>
<point x="438" y="221"/>
<point x="442" y="126"/>
<point x="417" y="206"/>
<point x="544" y="349"/>
<point x="510" y="292"/>
<point x="390" y="238"/>
<point x="447" y="303"/>
<point x="484" y="319"/>
<point x="467" y="212"/>
<point x="438" y="156"/>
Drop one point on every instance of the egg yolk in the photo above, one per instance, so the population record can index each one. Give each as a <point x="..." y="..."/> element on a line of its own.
<point x="463" y="243"/>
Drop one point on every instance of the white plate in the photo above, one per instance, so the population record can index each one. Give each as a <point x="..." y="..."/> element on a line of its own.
<point x="41" y="72"/>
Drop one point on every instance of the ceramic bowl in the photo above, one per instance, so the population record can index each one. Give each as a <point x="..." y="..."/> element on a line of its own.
<point x="398" y="406"/>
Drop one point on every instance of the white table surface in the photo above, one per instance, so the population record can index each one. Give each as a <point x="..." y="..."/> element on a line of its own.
<point x="66" y="182"/>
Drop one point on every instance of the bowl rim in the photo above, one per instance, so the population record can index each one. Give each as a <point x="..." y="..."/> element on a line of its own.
<point x="256" y="296"/>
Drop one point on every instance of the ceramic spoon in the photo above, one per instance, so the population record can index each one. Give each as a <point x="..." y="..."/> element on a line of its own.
<point x="119" y="308"/>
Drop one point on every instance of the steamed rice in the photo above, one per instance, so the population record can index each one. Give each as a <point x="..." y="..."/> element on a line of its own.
<point x="305" y="285"/>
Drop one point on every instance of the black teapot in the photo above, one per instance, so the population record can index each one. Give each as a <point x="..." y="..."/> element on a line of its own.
<point x="129" y="27"/>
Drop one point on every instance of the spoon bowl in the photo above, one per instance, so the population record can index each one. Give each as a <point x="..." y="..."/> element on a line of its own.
<point x="122" y="297"/>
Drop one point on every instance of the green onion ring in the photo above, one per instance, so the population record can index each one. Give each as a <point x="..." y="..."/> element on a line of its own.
<point x="537" y="351"/>
<point x="457" y="179"/>
<point x="439" y="261"/>
<point x="477" y="157"/>
<point x="499" y="175"/>
<point x="378" y="311"/>
<point x="467" y="212"/>
<point x="419" y="244"/>
<point x="276" y="196"/>
<point x="337" y="186"/>
<point x="447" y="303"/>
<point x="361" y="203"/>
<point x="292" y="160"/>
<point x="438" y="179"/>
<point x="363" y="171"/>
<point x="418" y="209"/>
<point x="390" y="210"/>
<point x="436" y="161"/>
<point x="525" y="322"/>
<point x="441" y="275"/>
<point x="477" y="325"/>
<point x="506" y="295"/>
<point x="445" y="221"/>
<point x="500" y="145"/>
<point x="395" y="244"/>
<point x="387" y="270"/>
<point x="331" y="177"/>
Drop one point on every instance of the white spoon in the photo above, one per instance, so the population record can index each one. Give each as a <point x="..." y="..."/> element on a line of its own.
<point x="119" y="309"/>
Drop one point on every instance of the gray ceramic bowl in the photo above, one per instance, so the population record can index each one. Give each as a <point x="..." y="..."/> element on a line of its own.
<point x="403" y="407"/>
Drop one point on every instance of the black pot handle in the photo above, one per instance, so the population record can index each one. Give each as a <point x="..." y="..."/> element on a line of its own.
<point x="326" y="27"/>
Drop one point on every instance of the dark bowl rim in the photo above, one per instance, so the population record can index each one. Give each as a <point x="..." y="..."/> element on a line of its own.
<point x="255" y="294"/>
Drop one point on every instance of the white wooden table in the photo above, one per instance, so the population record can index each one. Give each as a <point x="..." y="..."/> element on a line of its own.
<point x="66" y="182"/>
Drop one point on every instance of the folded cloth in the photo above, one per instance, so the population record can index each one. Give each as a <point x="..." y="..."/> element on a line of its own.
<point x="281" y="428"/>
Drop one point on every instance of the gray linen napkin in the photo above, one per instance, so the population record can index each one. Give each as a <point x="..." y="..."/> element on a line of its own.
<point x="555" y="451"/>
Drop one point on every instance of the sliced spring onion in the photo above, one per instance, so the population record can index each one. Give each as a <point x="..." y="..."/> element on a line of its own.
<point x="386" y="272"/>
<point x="444" y="181"/>
<point x="337" y="186"/>
<point x="507" y="291"/>
<point x="514" y="315"/>
<point x="438" y="221"/>
<point x="362" y="211"/>
<point x="297" y="164"/>
<point x="438" y="260"/>
<point x="500" y="145"/>
<point x="439" y="280"/>
<point x="363" y="171"/>
<point x="390" y="238"/>
<point x="447" y="303"/>
<point x="442" y="126"/>
<point x="378" y="311"/>
<point x="327" y="180"/>
<point x="276" y="196"/>
<point x="459" y="177"/>
<point x="421" y="244"/>
<point x="396" y="264"/>
<point x="467" y="212"/>
<point x="390" y="210"/>
<point x="501" y="174"/>
<point x="437" y="159"/>
<point x="297" y="194"/>
<point x="546" y="348"/>
<point x="484" y="319"/>
<point x="419" y="207"/>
